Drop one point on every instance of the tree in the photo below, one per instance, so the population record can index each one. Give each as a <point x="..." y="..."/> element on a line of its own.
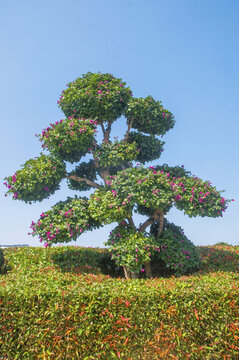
<point x="92" y="104"/>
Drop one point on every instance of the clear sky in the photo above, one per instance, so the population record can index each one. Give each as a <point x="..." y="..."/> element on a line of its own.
<point x="182" y="52"/>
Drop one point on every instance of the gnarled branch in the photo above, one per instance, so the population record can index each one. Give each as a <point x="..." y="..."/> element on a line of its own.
<point x="107" y="133"/>
<point x="131" y="222"/>
<point x="103" y="128"/>
<point x="161" y="218"/>
<point x="130" y="123"/>
<point x="97" y="164"/>
<point x="88" y="182"/>
<point x="158" y="214"/>
<point x="146" y="224"/>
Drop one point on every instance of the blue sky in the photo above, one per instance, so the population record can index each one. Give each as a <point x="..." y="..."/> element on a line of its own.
<point x="182" y="52"/>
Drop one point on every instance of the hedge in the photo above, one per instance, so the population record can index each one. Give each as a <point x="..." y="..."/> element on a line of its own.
<point x="52" y="312"/>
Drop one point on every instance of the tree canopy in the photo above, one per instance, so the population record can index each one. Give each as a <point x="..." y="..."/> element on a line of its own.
<point x="116" y="172"/>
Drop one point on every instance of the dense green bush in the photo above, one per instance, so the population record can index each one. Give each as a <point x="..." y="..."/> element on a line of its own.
<point x="53" y="307"/>
<point x="92" y="94"/>
<point x="150" y="147"/>
<point x="176" y="250"/>
<point x="69" y="139"/>
<point x="37" y="180"/>
<point x="130" y="248"/>
<point x="51" y="227"/>
<point x="149" y="116"/>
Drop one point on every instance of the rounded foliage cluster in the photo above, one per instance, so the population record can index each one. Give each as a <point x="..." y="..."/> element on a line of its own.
<point x="84" y="170"/>
<point x="150" y="148"/>
<point x="173" y="171"/>
<point x="37" y="180"/>
<point x="146" y="190"/>
<point x="176" y="250"/>
<point x="108" y="206"/>
<point x="130" y="248"/>
<point x="69" y="139"/>
<point x="116" y="153"/>
<point x="101" y="97"/>
<point x="149" y="188"/>
<point x="66" y="221"/>
<point x="149" y="116"/>
<point x="199" y="198"/>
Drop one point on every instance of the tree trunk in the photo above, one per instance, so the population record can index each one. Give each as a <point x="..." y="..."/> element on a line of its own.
<point x="130" y="274"/>
<point x="126" y="273"/>
<point x="134" y="275"/>
<point x="161" y="218"/>
<point x="148" y="270"/>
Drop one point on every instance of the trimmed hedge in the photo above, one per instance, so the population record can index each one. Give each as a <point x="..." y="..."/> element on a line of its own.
<point x="49" y="311"/>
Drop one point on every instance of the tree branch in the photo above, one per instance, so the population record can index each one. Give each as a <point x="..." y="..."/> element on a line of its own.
<point x="88" y="182"/>
<point x="151" y="220"/>
<point x="131" y="222"/>
<point x="104" y="173"/>
<point x="107" y="133"/>
<point x="97" y="164"/>
<point x="146" y="224"/>
<point x="103" y="128"/>
<point x="130" y="123"/>
<point x="161" y="219"/>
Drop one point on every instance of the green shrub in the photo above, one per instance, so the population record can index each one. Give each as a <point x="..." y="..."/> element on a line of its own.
<point x="50" y="312"/>
<point x="130" y="248"/>
<point x="177" y="252"/>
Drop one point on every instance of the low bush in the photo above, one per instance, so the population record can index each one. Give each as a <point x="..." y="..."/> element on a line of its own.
<point x="50" y="310"/>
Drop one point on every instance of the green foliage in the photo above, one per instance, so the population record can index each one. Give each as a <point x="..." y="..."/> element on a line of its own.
<point x="116" y="153"/>
<point x="149" y="116"/>
<point x="88" y="103"/>
<point x="150" y="147"/>
<point x="221" y="243"/>
<point x="49" y="313"/>
<point x="107" y="206"/>
<point x="1" y="259"/>
<point x="84" y="170"/>
<point x="101" y="97"/>
<point x="65" y="222"/>
<point x="130" y="248"/>
<point x="173" y="171"/>
<point x="219" y="257"/>
<point x="198" y="198"/>
<point x="37" y="180"/>
<point x="148" y="188"/>
<point x="176" y="250"/>
<point x="69" y="139"/>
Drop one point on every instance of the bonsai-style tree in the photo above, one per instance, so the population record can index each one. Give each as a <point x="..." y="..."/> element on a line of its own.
<point x="118" y="187"/>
